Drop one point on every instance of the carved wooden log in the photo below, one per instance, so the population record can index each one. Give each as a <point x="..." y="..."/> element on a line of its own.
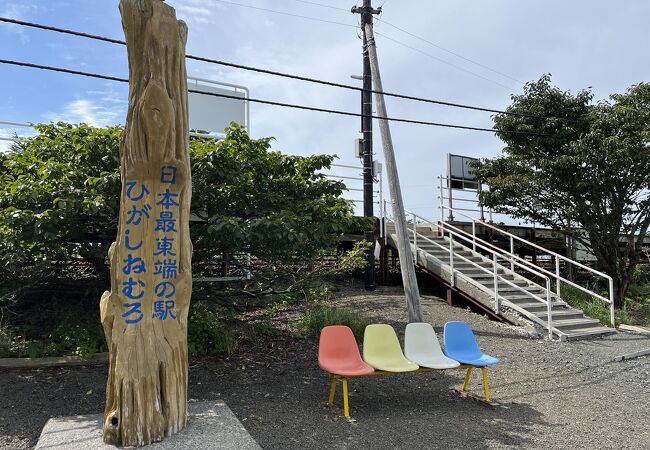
<point x="145" y="314"/>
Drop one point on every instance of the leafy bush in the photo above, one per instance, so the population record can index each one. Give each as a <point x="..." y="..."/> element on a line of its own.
<point x="323" y="315"/>
<point x="206" y="333"/>
<point x="75" y="338"/>
<point x="5" y="342"/>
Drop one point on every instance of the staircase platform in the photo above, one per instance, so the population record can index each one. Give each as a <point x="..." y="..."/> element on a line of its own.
<point x="473" y="276"/>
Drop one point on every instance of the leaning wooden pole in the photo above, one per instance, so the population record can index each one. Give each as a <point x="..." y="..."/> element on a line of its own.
<point x="409" y="280"/>
<point x="145" y="313"/>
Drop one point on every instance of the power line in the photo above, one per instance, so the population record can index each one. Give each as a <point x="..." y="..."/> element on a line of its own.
<point x="444" y="61"/>
<point x="451" y="52"/>
<point x="273" y="103"/>
<point x="322" y="5"/>
<point x="316" y="19"/>
<point x="275" y="73"/>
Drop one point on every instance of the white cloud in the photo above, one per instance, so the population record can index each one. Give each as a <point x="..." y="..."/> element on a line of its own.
<point x="19" y="11"/>
<point x="86" y="111"/>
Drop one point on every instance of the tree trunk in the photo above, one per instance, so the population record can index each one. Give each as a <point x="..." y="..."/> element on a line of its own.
<point x="145" y="314"/>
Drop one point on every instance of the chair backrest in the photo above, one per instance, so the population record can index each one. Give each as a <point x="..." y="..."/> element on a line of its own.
<point x="337" y="344"/>
<point x="380" y="343"/>
<point x="459" y="339"/>
<point x="420" y="340"/>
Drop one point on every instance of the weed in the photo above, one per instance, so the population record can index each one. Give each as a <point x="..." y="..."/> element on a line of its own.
<point x="322" y="315"/>
<point x="591" y="306"/>
<point x="206" y="333"/>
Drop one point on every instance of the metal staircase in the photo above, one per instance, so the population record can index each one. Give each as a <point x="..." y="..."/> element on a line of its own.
<point x="489" y="275"/>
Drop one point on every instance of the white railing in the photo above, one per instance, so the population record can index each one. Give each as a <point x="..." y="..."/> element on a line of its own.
<point x="556" y="276"/>
<point x="495" y="266"/>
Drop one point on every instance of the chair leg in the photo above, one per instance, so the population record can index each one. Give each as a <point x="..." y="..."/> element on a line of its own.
<point x="485" y="384"/>
<point x="332" y="390"/>
<point x="346" y="408"/>
<point x="469" y="372"/>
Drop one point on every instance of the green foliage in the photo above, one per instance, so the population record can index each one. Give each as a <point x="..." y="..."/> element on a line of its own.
<point x="586" y="172"/>
<point x="355" y="259"/>
<point x="59" y="194"/>
<point x="592" y="307"/>
<point x="59" y="198"/>
<point x="6" y="340"/>
<point x="75" y="335"/>
<point x="77" y="338"/>
<point x="206" y="333"/>
<point x="322" y="315"/>
<point x="278" y="207"/>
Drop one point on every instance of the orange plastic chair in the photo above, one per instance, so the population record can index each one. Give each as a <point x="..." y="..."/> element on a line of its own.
<point x="338" y="354"/>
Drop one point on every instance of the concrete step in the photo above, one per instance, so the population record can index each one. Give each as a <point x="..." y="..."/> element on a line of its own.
<point x="477" y="274"/>
<point x="560" y="314"/>
<point x="589" y="332"/>
<point x="573" y="325"/>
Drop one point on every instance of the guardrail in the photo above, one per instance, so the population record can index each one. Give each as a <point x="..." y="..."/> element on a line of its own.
<point x="556" y="276"/>
<point x="495" y="266"/>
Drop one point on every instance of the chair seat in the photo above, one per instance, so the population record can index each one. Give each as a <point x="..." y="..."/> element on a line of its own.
<point x="381" y="349"/>
<point x="338" y="352"/>
<point x="436" y="363"/>
<point x="482" y="360"/>
<point x="346" y="368"/>
<point x="461" y="345"/>
<point x="394" y="366"/>
<point x="422" y="347"/>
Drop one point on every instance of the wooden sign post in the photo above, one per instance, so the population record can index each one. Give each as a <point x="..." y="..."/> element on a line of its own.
<point x="145" y="313"/>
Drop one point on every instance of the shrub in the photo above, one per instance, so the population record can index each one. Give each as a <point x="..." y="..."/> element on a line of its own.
<point x="72" y="337"/>
<point x="591" y="306"/>
<point x="206" y="333"/>
<point x="5" y="342"/>
<point x="323" y="315"/>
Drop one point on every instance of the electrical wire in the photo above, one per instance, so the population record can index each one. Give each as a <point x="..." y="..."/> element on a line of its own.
<point x="276" y="73"/>
<point x="274" y="103"/>
<point x="509" y="88"/>
<point x="316" y="19"/>
<point x="451" y="52"/>
<point x="322" y="5"/>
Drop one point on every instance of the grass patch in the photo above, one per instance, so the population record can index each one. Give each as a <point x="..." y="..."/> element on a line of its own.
<point x="206" y="332"/>
<point x="322" y="315"/>
<point x="592" y="307"/>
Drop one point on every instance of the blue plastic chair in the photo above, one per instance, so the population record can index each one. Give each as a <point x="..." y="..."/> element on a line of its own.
<point x="460" y="344"/>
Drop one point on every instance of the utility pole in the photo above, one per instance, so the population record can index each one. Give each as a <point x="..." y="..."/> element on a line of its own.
<point x="366" y="12"/>
<point x="409" y="280"/>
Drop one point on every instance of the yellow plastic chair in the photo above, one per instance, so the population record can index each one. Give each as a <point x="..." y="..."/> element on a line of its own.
<point x="381" y="349"/>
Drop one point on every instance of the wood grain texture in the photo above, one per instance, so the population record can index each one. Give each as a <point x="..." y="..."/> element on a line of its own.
<point x="144" y="315"/>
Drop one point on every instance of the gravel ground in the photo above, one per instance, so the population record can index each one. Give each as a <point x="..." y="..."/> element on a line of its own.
<point x="551" y="395"/>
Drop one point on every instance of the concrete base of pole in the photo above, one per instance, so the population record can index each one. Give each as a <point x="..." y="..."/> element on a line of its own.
<point x="210" y="425"/>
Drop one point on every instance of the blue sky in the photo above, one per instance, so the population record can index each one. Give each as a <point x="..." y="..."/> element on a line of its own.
<point x="602" y="44"/>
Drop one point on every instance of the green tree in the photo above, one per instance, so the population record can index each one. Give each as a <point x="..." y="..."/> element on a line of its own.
<point x="59" y="198"/>
<point x="586" y="172"/>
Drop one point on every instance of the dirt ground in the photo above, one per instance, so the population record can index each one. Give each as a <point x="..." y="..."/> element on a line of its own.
<point x="551" y="395"/>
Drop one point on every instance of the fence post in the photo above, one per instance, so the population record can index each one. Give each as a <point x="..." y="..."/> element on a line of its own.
<point x="451" y="259"/>
<point x="497" y="306"/>
<point x="557" y="276"/>
<point x="512" y="254"/>
<point x="549" y="308"/>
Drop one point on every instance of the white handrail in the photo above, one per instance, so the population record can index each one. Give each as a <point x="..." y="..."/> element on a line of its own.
<point x="525" y="262"/>
<point x="556" y="255"/>
<point x="495" y="254"/>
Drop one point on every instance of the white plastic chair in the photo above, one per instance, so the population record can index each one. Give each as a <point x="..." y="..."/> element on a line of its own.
<point x="421" y="346"/>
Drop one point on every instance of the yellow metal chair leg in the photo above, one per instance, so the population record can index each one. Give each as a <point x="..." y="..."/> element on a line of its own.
<point x="346" y="408"/>
<point x="469" y="372"/>
<point x="485" y="384"/>
<point x="332" y="390"/>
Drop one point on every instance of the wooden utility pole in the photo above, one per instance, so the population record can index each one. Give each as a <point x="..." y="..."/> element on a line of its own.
<point x="145" y="313"/>
<point x="366" y="12"/>
<point x="403" y="246"/>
